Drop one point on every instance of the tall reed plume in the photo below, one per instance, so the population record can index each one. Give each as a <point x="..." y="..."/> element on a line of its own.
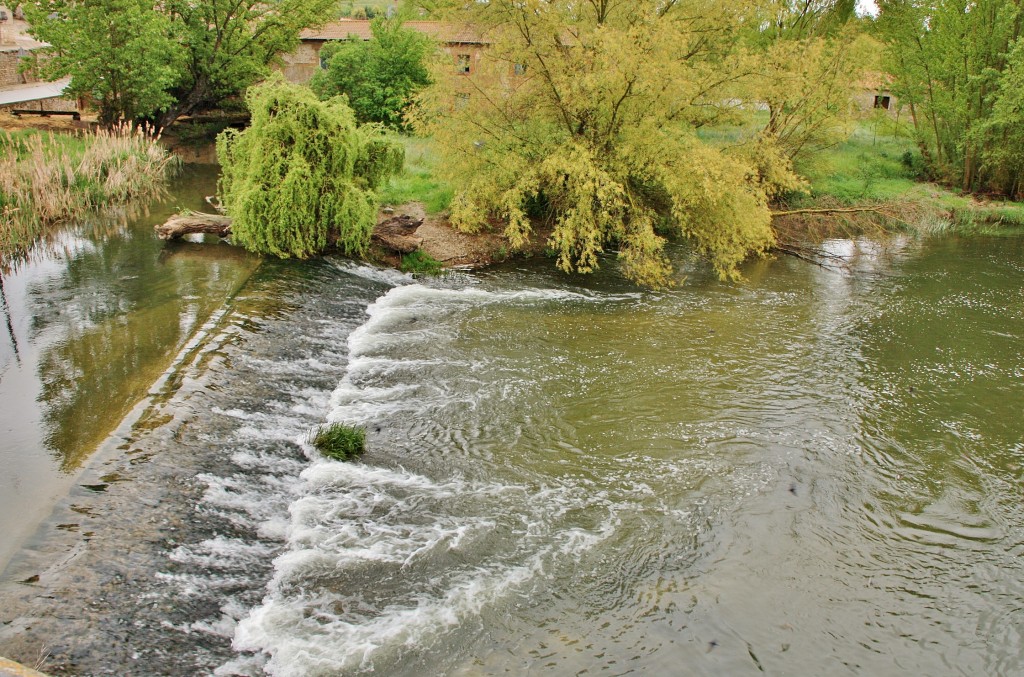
<point x="46" y="179"/>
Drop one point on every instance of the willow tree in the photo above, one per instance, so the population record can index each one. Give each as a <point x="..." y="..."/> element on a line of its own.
<point x="303" y="175"/>
<point x="811" y="57"/>
<point x="585" y="114"/>
<point x="952" y="61"/>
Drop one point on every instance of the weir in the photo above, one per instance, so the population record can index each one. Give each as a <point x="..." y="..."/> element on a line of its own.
<point x="563" y="475"/>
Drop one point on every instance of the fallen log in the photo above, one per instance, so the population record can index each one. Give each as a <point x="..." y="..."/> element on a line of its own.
<point x="397" y="233"/>
<point x="194" y="222"/>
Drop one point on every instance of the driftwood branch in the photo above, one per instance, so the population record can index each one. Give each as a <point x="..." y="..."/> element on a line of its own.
<point x="397" y="233"/>
<point x="835" y="210"/>
<point x="815" y="256"/>
<point x="194" y="222"/>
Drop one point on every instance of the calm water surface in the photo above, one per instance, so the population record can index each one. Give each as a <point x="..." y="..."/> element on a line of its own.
<point x="90" y="321"/>
<point x="812" y="472"/>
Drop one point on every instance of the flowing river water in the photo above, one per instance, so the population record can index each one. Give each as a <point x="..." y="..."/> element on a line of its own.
<point x="815" y="471"/>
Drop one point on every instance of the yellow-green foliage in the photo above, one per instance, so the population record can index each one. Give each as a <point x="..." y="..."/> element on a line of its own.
<point x="303" y="176"/>
<point x="585" y="115"/>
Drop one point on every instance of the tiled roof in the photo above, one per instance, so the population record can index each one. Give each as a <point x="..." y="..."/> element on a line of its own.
<point x="442" y="32"/>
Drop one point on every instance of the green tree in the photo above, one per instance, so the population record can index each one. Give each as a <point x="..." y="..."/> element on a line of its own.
<point x="121" y="53"/>
<point x="140" y="59"/>
<point x="585" y="114"/>
<point x="379" y="76"/>
<point x="951" y="60"/>
<point x="303" y="176"/>
<point x="810" y="58"/>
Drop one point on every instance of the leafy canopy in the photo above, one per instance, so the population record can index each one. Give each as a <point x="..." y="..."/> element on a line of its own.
<point x="140" y="59"/>
<point x="584" y="114"/>
<point x="120" y="53"/>
<point x="303" y="176"/>
<point x="956" y="66"/>
<point x="379" y="76"/>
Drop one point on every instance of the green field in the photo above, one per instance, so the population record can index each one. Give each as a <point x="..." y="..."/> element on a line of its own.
<point x="352" y="8"/>
<point x="418" y="181"/>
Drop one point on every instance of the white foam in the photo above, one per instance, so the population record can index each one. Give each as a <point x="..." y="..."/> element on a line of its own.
<point x="388" y="276"/>
<point x="356" y="521"/>
<point x="221" y="552"/>
<point x="329" y="641"/>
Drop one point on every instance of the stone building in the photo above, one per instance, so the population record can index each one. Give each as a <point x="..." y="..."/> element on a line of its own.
<point x="875" y="93"/>
<point x="465" y="45"/>
<point x="20" y="87"/>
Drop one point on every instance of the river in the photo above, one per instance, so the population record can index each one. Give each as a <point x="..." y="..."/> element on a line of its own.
<point x="814" y="471"/>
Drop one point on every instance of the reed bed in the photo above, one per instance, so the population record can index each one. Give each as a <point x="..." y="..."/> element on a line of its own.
<point x="47" y="178"/>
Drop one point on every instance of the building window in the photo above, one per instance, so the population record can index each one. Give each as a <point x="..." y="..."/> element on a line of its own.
<point x="462" y="64"/>
<point x="882" y="101"/>
<point x="519" y="69"/>
<point x="323" y="62"/>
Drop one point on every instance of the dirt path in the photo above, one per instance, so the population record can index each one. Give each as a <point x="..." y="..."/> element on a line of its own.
<point x="452" y="248"/>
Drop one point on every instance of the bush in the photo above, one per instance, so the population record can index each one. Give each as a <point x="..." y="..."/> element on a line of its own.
<point x="303" y="176"/>
<point x="420" y="262"/>
<point x="339" y="441"/>
<point x="378" y="76"/>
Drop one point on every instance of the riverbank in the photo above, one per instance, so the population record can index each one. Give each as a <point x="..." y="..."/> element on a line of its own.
<point x="871" y="184"/>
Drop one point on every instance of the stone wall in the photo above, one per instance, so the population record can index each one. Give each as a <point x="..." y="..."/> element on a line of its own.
<point x="299" y="65"/>
<point x="10" y="60"/>
<point x="54" y="104"/>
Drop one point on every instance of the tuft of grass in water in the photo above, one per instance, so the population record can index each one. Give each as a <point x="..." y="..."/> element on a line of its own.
<point x="417" y="181"/>
<point x="420" y="262"/>
<point x="49" y="178"/>
<point x="339" y="441"/>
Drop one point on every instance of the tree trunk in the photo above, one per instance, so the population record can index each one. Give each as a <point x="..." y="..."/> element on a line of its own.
<point x="186" y="105"/>
<point x="397" y="233"/>
<point x="185" y="224"/>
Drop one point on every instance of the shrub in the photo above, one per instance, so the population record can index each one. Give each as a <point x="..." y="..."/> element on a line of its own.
<point x="303" y="176"/>
<point x="339" y="441"/>
<point x="420" y="262"/>
<point x="379" y="76"/>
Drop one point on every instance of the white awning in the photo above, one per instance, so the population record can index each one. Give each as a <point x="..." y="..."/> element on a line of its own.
<point x="35" y="91"/>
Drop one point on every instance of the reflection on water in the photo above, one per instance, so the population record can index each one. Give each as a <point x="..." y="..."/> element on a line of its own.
<point x="816" y="471"/>
<point x="93" y="316"/>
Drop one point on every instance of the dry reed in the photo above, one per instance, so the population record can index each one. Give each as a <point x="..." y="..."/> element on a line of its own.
<point x="46" y="179"/>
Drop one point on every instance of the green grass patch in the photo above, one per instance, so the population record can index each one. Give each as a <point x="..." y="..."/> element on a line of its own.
<point x="417" y="182"/>
<point x="339" y="441"/>
<point x="361" y="8"/>
<point x="420" y="263"/>
<point x="876" y="163"/>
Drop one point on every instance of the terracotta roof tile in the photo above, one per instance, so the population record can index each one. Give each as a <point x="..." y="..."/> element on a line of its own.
<point x="443" y="32"/>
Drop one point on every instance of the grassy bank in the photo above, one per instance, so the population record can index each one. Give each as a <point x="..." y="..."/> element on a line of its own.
<point x="48" y="178"/>
<point x="418" y="181"/>
<point x="879" y="164"/>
